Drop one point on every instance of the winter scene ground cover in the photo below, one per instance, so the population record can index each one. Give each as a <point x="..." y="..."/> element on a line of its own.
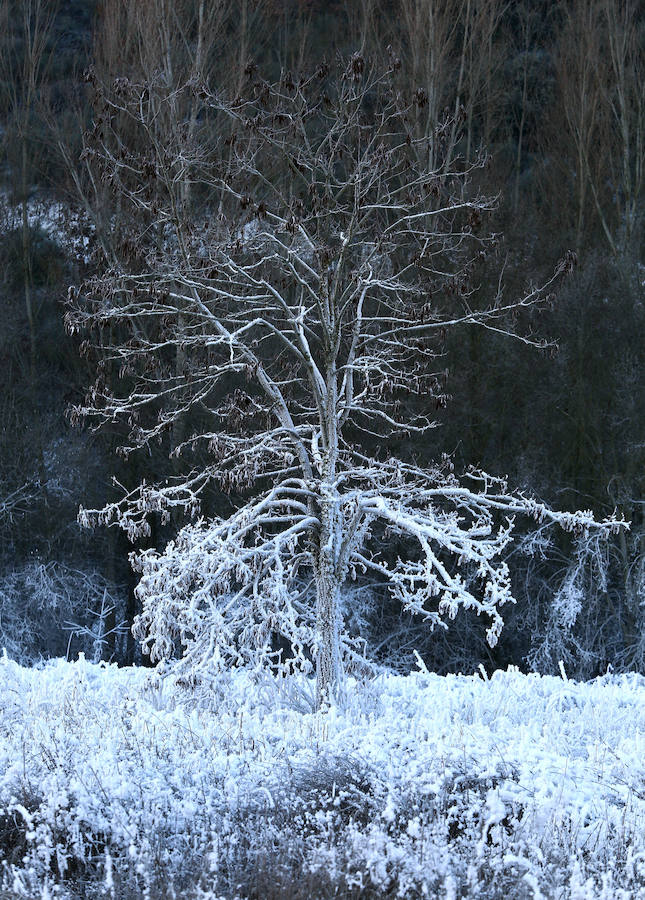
<point x="116" y="782"/>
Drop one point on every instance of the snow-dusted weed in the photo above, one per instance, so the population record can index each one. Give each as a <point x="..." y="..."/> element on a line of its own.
<point x="118" y="783"/>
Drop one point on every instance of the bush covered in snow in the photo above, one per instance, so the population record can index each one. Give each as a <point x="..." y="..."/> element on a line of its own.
<point x="119" y="783"/>
<point x="56" y="607"/>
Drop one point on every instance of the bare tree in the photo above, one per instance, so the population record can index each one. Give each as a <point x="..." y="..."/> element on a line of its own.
<point x="601" y="65"/>
<point x="482" y="66"/>
<point x="451" y="47"/>
<point x="434" y="39"/>
<point x="25" y="54"/>
<point x="578" y="88"/>
<point x="623" y="93"/>
<point x="308" y="286"/>
<point x="528" y="20"/>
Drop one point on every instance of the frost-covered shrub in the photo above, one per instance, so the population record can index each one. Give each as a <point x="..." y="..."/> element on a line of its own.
<point x="583" y="608"/>
<point x="52" y="609"/>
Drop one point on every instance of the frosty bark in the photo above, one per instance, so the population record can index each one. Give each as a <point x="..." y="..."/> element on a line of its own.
<point x="328" y="662"/>
<point x="329" y="676"/>
<point x="328" y="659"/>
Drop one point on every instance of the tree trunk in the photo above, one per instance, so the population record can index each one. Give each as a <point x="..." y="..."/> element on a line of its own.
<point x="329" y="673"/>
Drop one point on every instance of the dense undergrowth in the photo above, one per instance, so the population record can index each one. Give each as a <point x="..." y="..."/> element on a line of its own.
<point x="116" y="783"/>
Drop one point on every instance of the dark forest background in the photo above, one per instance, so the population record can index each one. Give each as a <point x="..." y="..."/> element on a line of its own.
<point x="553" y="92"/>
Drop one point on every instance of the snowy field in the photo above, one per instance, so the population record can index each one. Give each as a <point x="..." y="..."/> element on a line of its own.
<point x="114" y="784"/>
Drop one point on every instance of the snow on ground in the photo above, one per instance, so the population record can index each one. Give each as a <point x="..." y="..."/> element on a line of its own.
<point x="116" y="783"/>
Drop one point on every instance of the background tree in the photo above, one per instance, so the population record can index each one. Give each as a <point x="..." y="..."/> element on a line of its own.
<point x="600" y="72"/>
<point x="25" y="53"/>
<point x="46" y="566"/>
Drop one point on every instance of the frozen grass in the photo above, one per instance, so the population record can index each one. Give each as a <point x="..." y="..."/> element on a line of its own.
<point x="116" y="784"/>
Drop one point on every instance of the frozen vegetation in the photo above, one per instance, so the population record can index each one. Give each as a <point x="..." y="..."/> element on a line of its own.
<point x="117" y="783"/>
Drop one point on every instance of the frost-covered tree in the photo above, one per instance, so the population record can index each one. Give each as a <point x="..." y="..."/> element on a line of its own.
<point x="294" y="263"/>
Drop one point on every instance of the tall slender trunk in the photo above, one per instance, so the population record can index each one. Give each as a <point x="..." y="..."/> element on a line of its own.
<point x="27" y="267"/>
<point x="329" y="667"/>
<point x="329" y="671"/>
<point x="520" y="138"/>
<point x="28" y="281"/>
